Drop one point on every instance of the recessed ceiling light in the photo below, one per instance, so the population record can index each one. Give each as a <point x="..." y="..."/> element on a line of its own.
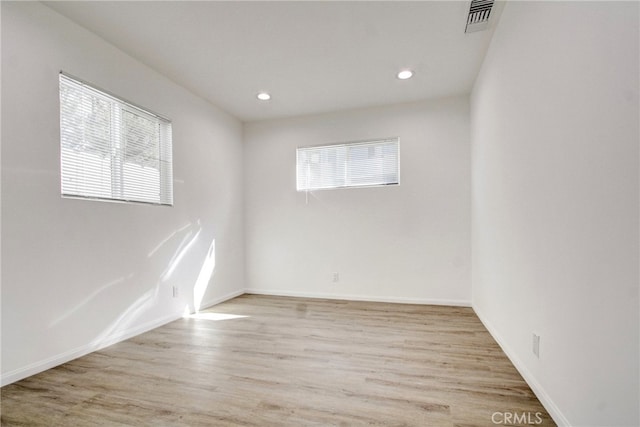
<point x="405" y="74"/>
<point x="263" y="96"/>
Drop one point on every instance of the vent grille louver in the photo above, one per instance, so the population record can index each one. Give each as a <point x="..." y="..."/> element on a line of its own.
<point x="479" y="14"/>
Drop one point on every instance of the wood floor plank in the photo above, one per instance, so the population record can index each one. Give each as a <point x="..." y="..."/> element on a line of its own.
<point x="280" y="361"/>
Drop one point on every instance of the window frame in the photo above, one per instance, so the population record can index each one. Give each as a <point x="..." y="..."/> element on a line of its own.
<point x="369" y="142"/>
<point x="119" y="106"/>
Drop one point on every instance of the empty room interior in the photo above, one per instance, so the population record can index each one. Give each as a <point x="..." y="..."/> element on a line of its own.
<point x="320" y="213"/>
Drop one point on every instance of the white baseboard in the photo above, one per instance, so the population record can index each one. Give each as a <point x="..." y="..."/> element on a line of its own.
<point x="400" y="300"/>
<point x="530" y="379"/>
<point x="43" y="365"/>
<point x="218" y="300"/>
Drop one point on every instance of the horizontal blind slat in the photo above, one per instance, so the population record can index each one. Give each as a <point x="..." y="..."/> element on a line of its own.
<point x="111" y="149"/>
<point x="359" y="164"/>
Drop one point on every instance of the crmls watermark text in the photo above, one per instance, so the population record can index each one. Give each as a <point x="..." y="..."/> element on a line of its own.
<point x="510" y="418"/>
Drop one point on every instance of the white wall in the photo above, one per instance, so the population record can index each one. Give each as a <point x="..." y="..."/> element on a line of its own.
<point x="77" y="275"/>
<point x="402" y="243"/>
<point x="555" y="203"/>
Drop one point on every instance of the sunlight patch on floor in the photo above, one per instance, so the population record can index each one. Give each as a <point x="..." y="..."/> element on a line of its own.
<point x="214" y="316"/>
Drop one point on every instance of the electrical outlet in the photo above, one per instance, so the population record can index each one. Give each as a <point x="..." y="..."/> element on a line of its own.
<point x="175" y="292"/>
<point x="536" y="345"/>
<point x="336" y="277"/>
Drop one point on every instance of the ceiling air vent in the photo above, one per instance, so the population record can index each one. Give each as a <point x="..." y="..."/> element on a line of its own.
<point x="479" y="13"/>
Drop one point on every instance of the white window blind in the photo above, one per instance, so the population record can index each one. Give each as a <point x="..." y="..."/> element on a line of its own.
<point x="111" y="149"/>
<point x="357" y="164"/>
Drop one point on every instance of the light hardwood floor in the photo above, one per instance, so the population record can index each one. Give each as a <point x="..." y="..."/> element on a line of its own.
<point x="289" y="362"/>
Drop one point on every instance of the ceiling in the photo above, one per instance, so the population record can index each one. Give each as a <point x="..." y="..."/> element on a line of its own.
<point x="312" y="57"/>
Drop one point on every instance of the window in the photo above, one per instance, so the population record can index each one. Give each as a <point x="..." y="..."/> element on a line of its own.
<point x="356" y="164"/>
<point x="111" y="149"/>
